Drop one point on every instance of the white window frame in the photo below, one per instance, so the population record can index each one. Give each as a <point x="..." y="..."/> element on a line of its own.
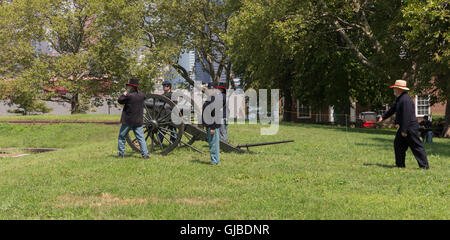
<point x="298" y="111"/>
<point x="417" y="106"/>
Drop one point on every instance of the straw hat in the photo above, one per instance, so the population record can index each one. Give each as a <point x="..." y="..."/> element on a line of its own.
<point x="401" y="84"/>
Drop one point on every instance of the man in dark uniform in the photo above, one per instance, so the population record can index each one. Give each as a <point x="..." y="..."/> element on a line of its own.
<point x="167" y="87"/>
<point x="132" y="117"/>
<point x="408" y="132"/>
<point x="426" y="130"/>
<point x="212" y="121"/>
<point x="224" y="126"/>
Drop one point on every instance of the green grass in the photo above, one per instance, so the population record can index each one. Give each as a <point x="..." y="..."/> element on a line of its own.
<point x="327" y="173"/>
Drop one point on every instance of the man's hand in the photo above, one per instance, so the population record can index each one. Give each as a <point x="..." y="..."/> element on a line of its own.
<point x="404" y="134"/>
<point x="212" y="131"/>
<point x="380" y="120"/>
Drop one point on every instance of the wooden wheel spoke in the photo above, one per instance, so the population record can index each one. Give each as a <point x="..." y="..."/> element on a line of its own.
<point x="161" y="110"/>
<point x="164" y="135"/>
<point x="166" y="131"/>
<point x="165" y="117"/>
<point x="152" y="145"/>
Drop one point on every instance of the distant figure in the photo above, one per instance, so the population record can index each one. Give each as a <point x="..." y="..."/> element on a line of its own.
<point x="408" y="133"/>
<point x="426" y="130"/>
<point x="132" y="117"/>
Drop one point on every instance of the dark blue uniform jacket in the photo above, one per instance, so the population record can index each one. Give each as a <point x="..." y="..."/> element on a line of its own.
<point x="133" y="111"/>
<point x="405" y="113"/>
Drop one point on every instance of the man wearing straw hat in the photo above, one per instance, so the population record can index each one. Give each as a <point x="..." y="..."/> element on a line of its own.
<point x="408" y="132"/>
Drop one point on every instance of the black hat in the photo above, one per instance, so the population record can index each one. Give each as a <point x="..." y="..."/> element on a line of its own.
<point x="212" y="85"/>
<point x="133" y="82"/>
<point x="222" y="85"/>
<point x="167" y="83"/>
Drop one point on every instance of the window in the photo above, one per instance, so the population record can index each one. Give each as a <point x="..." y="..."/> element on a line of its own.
<point x="303" y="111"/>
<point x="422" y="105"/>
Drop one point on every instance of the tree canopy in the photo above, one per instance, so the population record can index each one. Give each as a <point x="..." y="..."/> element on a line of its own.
<point x="320" y="52"/>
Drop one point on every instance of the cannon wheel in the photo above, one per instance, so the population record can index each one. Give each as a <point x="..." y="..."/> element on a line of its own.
<point x="161" y="134"/>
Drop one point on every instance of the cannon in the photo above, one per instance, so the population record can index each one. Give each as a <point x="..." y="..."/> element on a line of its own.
<point x="164" y="135"/>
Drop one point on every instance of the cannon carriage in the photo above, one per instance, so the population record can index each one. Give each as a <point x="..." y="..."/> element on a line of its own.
<point x="163" y="134"/>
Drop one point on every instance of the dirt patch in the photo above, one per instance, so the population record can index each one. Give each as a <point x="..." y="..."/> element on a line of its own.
<point x="12" y="155"/>
<point x="21" y="152"/>
<point x="108" y="200"/>
<point x="105" y="200"/>
<point x="199" y="201"/>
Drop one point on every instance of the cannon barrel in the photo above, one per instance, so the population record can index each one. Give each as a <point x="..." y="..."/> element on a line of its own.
<point x="262" y="144"/>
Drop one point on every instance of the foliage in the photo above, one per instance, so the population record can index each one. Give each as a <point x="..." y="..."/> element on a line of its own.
<point x="78" y="48"/>
<point x="326" y="52"/>
<point x="169" y="27"/>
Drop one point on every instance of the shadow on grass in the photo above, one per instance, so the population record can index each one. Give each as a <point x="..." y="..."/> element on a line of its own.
<point x="383" y="131"/>
<point x="442" y="149"/>
<point x="200" y="162"/>
<point x="379" y="165"/>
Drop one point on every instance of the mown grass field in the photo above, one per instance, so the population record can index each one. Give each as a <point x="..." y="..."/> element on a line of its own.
<point x="327" y="173"/>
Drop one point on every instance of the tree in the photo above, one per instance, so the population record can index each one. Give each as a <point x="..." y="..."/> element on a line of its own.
<point x="286" y="45"/>
<point x="18" y="57"/>
<point x="169" y="27"/>
<point x="340" y="49"/>
<point x="427" y="39"/>
<point x="82" y="58"/>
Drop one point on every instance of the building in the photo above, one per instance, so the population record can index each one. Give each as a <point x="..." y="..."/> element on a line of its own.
<point x="328" y="115"/>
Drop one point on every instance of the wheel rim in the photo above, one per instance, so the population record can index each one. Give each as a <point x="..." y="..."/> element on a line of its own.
<point x="161" y="134"/>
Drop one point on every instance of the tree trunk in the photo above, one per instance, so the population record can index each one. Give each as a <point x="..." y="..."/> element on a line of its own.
<point x="75" y="104"/>
<point x="446" y="132"/>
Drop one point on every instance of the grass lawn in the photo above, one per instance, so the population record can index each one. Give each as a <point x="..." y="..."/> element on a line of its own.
<point x="83" y="117"/>
<point x="327" y="173"/>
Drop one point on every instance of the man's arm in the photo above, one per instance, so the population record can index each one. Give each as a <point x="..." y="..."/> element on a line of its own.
<point x="389" y="112"/>
<point x="123" y="98"/>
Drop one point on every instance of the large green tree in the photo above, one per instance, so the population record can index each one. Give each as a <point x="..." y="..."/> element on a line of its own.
<point x="80" y="49"/>
<point x="286" y="45"/>
<point x="169" y="27"/>
<point x="17" y="56"/>
<point x="330" y="51"/>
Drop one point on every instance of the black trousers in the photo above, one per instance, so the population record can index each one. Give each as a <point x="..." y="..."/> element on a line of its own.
<point x="401" y="144"/>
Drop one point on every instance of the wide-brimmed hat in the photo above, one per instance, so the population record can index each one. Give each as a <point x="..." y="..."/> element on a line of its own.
<point x="133" y="82"/>
<point x="400" y="84"/>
